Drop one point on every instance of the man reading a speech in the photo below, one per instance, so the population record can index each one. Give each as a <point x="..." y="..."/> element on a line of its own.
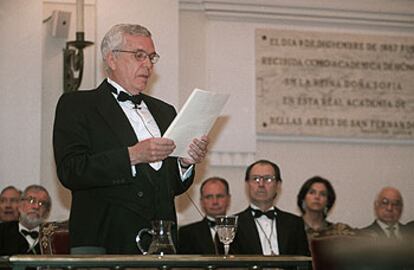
<point x="110" y="154"/>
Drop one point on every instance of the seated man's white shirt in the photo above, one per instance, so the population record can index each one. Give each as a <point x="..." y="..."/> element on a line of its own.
<point x="385" y="226"/>
<point x="267" y="233"/>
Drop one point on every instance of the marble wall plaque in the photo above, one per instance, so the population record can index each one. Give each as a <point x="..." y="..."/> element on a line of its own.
<point x="338" y="85"/>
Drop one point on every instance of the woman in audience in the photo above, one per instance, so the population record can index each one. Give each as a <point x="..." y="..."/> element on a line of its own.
<point x="315" y="199"/>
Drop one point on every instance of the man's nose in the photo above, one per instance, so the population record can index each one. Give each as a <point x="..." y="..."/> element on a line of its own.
<point x="261" y="182"/>
<point x="36" y="206"/>
<point x="389" y="207"/>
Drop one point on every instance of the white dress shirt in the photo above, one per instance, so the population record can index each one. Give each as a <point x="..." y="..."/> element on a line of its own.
<point x="385" y="228"/>
<point x="267" y="233"/>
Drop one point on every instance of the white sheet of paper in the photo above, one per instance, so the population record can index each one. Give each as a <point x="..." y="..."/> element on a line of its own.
<point x="195" y="119"/>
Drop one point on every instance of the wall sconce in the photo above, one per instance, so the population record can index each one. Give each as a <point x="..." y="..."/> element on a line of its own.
<point x="73" y="53"/>
<point x="73" y="62"/>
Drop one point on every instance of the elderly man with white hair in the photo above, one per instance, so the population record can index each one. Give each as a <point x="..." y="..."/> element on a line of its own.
<point x="388" y="208"/>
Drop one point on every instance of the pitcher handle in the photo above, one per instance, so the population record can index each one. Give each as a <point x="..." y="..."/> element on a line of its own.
<point x="138" y="239"/>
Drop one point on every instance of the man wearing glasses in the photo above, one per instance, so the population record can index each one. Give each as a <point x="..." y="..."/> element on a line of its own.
<point x="200" y="237"/>
<point x="262" y="228"/>
<point x="22" y="236"/>
<point x="109" y="151"/>
<point x="388" y="207"/>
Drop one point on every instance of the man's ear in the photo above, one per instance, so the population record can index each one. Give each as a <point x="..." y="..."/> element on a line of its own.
<point x="111" y="60"/>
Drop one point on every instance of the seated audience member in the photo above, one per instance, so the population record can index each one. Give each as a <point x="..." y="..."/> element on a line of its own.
<point x="388" y="208"/>
<point x="21" y="237"/>
<point x="262" y="228"/>
<point x="9" y="199"/>
<point x="199" y="237"/>
<point x="315" y="199"/>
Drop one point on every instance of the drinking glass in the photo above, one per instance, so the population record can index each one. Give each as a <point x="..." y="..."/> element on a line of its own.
<point x="226" y="227"/>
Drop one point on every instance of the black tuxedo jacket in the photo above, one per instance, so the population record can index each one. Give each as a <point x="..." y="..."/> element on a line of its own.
<point x="109" y="206"/>
<point x="291" y="235"/>
<point x="12" y="242"/>
<point x="195" y="238"/>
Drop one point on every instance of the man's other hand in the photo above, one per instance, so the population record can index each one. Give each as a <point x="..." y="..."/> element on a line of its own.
<point x="151" y="150"/>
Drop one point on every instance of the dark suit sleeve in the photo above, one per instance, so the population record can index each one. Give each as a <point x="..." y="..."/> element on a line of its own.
<point x="78" y="165"/>
<point x="302" y="239"/>
<point x="11" y="241"/>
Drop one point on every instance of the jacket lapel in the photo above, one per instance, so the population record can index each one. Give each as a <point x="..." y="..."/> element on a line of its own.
<point x="114" y="116"/>
<point x="282" y="234"/>
<point x="251" y="232"/>
<point x="206" y="240"/>
<point x="378" y="230"/>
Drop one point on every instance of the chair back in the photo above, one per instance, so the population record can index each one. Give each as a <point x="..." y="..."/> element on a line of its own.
<point x="54" y="238"/>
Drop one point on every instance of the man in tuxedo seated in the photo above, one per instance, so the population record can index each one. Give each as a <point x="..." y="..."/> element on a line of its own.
<point x="388" y="208"/>
<point x="9" y="199"/>
<point x="199" y="237"/>
<point x="22" y="236"/>
<point x="263" y="228"/>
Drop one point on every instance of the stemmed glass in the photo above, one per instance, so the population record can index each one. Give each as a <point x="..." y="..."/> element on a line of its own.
<point x="226" y="227"/>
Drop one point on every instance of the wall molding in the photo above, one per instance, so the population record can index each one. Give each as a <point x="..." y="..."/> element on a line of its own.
<point x="232" y="159"/>
<point x="396" y="16"/>
<point x="399" y="13"/>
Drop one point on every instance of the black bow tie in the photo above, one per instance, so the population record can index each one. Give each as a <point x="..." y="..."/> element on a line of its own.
<point x="211" y="223"/>
<point x="269" y="214"/>
<point x="136" y="99"/>
<point x="33" y="234"/>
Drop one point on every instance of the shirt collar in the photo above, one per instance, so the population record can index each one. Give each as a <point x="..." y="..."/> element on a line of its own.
<point x="253" y="206"/>
<point x="22" y="227"/>
<point x="384" y="226"/>
<point x="119" y="88"/>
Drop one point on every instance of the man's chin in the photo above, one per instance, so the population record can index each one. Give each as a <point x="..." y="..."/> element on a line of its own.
<point x="218" y="214"/>
<point x="141" y="85"/>
<point x="32" y="219"/>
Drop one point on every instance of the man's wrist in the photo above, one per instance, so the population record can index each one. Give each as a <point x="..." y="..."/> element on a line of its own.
<point x="183" y="164"/>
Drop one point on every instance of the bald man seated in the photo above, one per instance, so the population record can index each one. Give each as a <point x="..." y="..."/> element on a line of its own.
<point x="388" y="207"/>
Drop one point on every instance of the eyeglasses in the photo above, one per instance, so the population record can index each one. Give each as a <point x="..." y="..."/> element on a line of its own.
<point x="141" y="55"/>
<point x="384" y="203"/>
<point x="34" y="201"/>
<point x="265" y="178"/>
<point x="214" y="196"/>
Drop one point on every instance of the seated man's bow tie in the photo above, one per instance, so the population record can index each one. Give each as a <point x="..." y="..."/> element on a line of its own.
<point x="258" y="213"/>
<point x="211" y="223"/>
<point x="136" y="99"/>
<point x="32" y="234"/>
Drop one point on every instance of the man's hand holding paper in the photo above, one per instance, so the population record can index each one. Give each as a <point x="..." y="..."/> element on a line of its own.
<point x="197" y="152"/>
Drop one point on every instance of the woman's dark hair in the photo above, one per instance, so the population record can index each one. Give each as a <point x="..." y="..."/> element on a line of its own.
<point x="308" y="184"/>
